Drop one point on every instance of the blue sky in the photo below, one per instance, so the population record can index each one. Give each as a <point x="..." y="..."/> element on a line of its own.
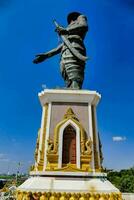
<point x="27" y="29"/>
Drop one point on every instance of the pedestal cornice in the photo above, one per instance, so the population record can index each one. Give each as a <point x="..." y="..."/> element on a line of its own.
<point x="79" y="96"/>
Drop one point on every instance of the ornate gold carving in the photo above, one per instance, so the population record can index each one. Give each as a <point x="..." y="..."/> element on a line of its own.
<point x="85" y="144"/>
<point x="52" y="162"/>
<point x="37" y="146"/>
<point x="32" y="168"/>
<point x="39" y="154"/>
<point x="52" y="147"/>
<point x="27" y="195"/>
<point x="88" y="145"/>
<point x="41" y="162"/>
<point x="86" y="148"/>
<point x="63" y="196"/>
<point x="54" y="196"/>
<point x="92" y="197"/>
<point x="43" y="196"/>
<point x="19" y="195"/>
<point x="52" y="156"/>
<point x="86" y="154"/>
<point x="83" y="197"/>
<point x="70" y="114"/>
<point x="69" y="168"/>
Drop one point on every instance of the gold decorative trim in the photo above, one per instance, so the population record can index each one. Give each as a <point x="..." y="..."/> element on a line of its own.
<point x="40" y="153"/>
<point x="41" y="162"/>
<point x="27" y="195"/>
<point x="85" y="144"/>
<point x="71" y="168"/>
<point x="70" y="114"/>
<point x="37" y="146"/>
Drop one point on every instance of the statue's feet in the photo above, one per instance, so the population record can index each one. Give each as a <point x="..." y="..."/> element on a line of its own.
<point x="75" y="85"/>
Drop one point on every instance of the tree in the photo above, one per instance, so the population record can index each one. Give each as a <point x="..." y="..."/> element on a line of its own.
<point x="123" y="180"/>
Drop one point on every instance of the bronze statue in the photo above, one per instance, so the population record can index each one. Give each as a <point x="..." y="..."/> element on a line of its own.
<point x="72" y="49"/>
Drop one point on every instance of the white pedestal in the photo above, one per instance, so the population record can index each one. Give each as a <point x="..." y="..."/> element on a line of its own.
<point x="82" y="177"/>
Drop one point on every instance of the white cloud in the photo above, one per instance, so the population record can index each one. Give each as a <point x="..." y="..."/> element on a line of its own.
<point x="118" y="138"/>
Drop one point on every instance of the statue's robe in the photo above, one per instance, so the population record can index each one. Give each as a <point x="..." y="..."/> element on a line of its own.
<point x="72" y="68"/>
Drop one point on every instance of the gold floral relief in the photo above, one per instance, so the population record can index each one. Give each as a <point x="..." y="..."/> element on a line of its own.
<point x="27" y="195"/>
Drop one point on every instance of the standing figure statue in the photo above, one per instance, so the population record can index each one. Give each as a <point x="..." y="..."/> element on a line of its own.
<point x="72" y="49"/>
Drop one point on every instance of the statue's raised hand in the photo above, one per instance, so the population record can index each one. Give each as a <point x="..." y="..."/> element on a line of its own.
<point x="61" y="31"/>
<point x="40" y="58"/>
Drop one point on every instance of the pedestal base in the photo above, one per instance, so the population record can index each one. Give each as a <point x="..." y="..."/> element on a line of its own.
<point x="69" y="187"/>
<point x="68" y="156"/>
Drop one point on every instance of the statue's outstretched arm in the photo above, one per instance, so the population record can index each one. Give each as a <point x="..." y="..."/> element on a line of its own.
<point x="43" y="56"/>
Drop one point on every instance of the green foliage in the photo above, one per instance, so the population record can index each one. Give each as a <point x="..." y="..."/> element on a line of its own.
<point x="1" y="184"/>
<point x="12" y="180"/>
<point x="4" y="176"/>
<point x="124" y="179"/>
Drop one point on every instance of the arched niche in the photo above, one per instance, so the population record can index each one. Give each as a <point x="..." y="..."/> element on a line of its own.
<point x="55" y="152"/>
<point x="69" y="146"/>
<point x="61" y="133"/>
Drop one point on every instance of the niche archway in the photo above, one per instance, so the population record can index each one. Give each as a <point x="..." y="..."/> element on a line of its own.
<point x="61" y="133"/>
<point x="69" y="146"/>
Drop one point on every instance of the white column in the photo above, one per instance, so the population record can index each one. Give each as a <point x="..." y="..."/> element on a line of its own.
<point x="47" y="134"/>
<point x="91" y="133"/>
<point x="78" y="147"/>
<point x="41" y="133"/>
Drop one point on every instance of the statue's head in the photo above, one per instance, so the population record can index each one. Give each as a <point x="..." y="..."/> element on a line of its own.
<point x="72" y="16"/>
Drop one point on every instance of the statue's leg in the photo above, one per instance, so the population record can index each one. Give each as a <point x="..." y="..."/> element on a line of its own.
<point x="76" y="85"/>
<point x="72" y="70"/>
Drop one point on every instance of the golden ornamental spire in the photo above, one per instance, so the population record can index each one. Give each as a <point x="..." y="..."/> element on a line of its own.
<point x="70" y="114"/>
